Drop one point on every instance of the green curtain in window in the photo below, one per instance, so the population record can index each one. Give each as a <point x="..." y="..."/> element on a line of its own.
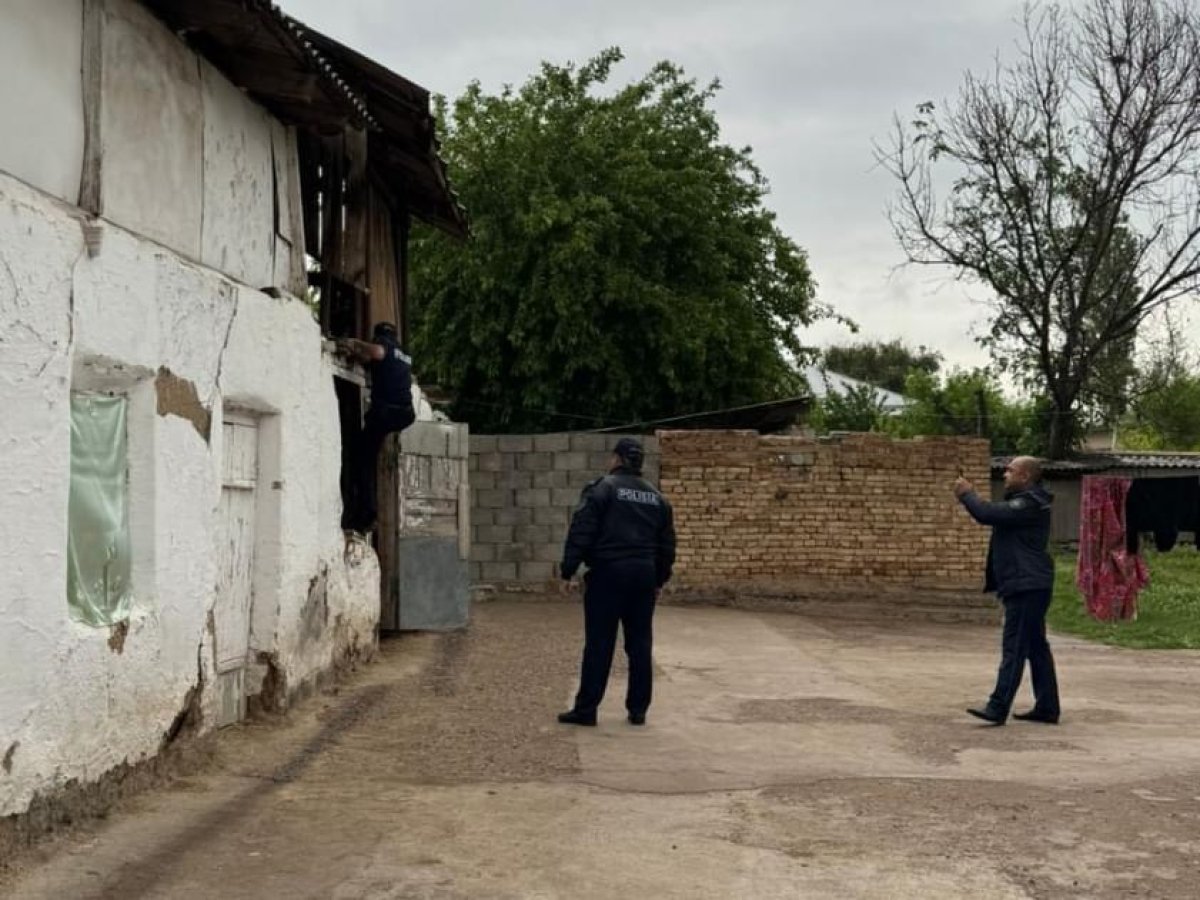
<point x="98" y="565"/>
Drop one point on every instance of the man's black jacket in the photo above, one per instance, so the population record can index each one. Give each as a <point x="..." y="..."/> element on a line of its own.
<point x="1017" y="557"/>
<point x="621" y="516"/>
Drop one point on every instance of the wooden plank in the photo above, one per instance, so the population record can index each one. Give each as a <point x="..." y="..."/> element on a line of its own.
<point x="382" y="274"/>
<point x="310" y="191"/>
<point x="332" y="174"/>
<point x="387" y="533"/>
<point x="93" y="81"/>
<point x="357" y="209"/>
<point x="402" y="226"/>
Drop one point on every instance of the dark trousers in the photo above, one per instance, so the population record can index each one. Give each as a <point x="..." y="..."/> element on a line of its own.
<point x="618" y="593"/>
<point x="1025" y="639"/>
<point x="378" y="424"/>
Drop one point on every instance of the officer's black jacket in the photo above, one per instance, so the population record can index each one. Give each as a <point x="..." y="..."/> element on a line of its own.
<point x="1017" y="558"/>
<point x="621" y="516"/>
<point x="391" y="377"/>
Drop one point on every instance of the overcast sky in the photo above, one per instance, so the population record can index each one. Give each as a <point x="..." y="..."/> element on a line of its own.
<point x="809" y="84"/>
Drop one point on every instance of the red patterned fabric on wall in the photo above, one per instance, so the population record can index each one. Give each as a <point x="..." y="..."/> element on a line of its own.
<point x="1108" y="575"/>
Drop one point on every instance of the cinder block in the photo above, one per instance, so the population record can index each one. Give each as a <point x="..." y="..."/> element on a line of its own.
<point x="532" y="534"/>
<point x="533" y="498"/>
<point x="551" y="553"/>
<point x="532" y="572"/>
<point x="575" y="461"/>
<point x="483" y="443"/>
<point x="593" y="443"/>
<point x="481" y="516"/>
<point x="493" y="499"/>
<point x="514" y="443"/>
<point x="514" y="553"/>
<point x="483" y="552"/>
<point x="474" y="571"/>
<point x="494" y="534"/>
<point x="552" y="443"/>
<point x="598" y="462"/>
<point x="430" y="441"/>
<point x="473" y="463"/>
<point x="567" y="498"/>
<point x="535" y="462"/>
<point x="551" y="515"/>
<point x="491" y="462"/>
<point x="483" y="481"/>
<point x="498" y="572"/>
<point x="514" y="480"/>
<point x="551" y="479"/>
<point x="515" y="515"/>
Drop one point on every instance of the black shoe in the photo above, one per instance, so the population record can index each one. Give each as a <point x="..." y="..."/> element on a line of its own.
<point x="1036" y="715"/>
<point x="575" y="717"/>
<point x="637" y="718"/>
<point x="988" y="715"/>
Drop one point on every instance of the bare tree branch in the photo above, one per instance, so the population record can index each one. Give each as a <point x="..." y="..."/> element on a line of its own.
<point x="1074" y="189"/>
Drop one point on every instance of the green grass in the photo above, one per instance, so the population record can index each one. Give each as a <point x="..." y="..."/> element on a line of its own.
<point x="1168" y="609"/>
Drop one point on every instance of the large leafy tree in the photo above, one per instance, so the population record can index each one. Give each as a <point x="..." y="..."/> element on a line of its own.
<point x="885" y="364"/>
<point x="1074" y="190"/>
<point x="622" y="267"/>
<point x="966" y="402"/>
<point x="1164" y="412"/>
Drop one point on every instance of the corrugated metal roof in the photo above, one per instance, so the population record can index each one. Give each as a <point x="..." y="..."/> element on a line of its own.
<point x="824" y="381"/>
<point x="1105" y="462"/>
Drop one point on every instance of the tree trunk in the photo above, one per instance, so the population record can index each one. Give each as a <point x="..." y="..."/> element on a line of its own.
<point x="1061" y="434"/>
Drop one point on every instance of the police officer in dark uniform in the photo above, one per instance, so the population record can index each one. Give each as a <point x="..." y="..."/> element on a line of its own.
<point x="624" y="531"/>
<point x="390" y="411"/>
<point x="1021" y="572"/>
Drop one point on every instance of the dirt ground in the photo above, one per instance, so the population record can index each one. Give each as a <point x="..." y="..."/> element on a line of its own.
<point x="784" y="757"/>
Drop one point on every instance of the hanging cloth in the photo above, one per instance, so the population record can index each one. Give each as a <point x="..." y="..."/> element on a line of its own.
<point x="1107" y="574"/>
<point x="1164" y="506"/>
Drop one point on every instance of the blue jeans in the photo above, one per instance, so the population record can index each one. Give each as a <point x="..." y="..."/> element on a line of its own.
<point x="1025" y="639"/>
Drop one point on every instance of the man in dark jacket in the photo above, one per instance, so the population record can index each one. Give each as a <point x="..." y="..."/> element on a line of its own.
<point x="390" y="411"/>
<point x="1021" y="572"/>
<point x="624" y="531"/>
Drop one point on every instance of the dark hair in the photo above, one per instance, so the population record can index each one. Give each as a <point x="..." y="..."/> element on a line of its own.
<point x="384" y="329"/>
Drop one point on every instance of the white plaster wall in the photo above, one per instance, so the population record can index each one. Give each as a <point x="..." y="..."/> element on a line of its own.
<point x="41" y="94"/>
<point x="238" y="236"/>
<point x="270" y="366"/>
<point x="189" y="160"/>
<point x="34" y="441"/>
<point x="74" y="707"/>
<point x="152" y="129"/>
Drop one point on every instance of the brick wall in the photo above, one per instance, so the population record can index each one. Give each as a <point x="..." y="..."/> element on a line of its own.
<point x="523" y="491"/>
<point x="784" y="516"/>
<point x="812" y="516"/>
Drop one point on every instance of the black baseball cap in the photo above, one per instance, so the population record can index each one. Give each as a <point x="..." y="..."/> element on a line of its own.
<point x="630" y="451"/>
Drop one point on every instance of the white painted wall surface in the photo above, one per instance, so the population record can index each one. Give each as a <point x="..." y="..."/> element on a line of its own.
<point x="151" y="129"/>
<point x="189" y="160"/>
<point x="41" y="94"/>
<point x="238" y="236"/>
<point x="73" y="707"/>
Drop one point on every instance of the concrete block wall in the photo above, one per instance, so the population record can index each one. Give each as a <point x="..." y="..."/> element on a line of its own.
<point x="822" y="516"/>
<point x="524" y="489"/>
